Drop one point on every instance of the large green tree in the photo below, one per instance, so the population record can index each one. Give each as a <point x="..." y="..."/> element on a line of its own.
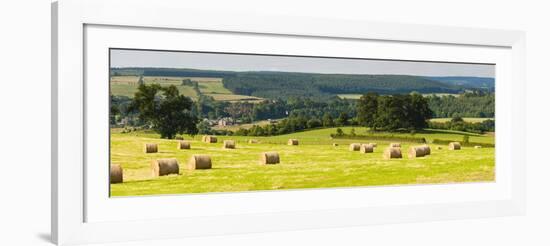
<point x="168" y="112"/>
<point x="367" y="107"/>
<point x="393" y="112"/>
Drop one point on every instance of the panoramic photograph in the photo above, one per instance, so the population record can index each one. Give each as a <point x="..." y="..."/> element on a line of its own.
<point x="185" y="122"/>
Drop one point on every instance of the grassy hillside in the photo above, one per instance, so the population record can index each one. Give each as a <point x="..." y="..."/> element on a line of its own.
<point x="286" y="84"/>
<point x="127" y="85"/>
<point x="314" y="163"/>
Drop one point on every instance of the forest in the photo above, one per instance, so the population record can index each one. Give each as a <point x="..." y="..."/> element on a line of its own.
<point x="318" y="86"/>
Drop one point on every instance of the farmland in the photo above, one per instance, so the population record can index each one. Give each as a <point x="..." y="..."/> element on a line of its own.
<point x="314" y="163"/>
<point x="466" y="119"/>
<point x="213" y="87"/>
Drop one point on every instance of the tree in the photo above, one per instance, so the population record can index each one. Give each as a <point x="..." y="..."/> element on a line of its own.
<point x="204" y="128"/>
<point x="165" y="110"/>
<point x="339" y="132"/>
<point x="367" y="107"/>
<point x="419" y="111"/>
<point x="457" y="119"/>
<point x="342" y="119"/>
<point x="466" y="139"/>
<point x="313" y="123"/>
<point x="327" y="120"/>
<point x="140" y="80"/>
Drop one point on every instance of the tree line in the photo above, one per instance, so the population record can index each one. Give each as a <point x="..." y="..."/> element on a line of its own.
<point x="170" y="113"/>
<point x="472" y="104"/>
<point x="458" y="124"/>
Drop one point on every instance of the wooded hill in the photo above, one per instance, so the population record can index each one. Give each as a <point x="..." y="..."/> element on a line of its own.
<point x="314" y="85"/>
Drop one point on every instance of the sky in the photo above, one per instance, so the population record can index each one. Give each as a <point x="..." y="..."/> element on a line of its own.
<point x="245" y="62"/>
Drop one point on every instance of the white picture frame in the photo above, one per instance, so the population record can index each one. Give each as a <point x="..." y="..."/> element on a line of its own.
<point x="82" y="214"/>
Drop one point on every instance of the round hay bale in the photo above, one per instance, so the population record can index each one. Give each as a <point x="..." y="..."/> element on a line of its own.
<point x="179" y="138"/>
<point x="335" y="144"/>
<point x="427" y="149"/>
<point x="366" y="148"/>
<point x="354" y="147"/>
<point x="166" y="166"/>
<point x="115" y="174"/>
<point x="199" y="162"/>
<point x="392" y="152"/>
<point x="477" y="147"/>
<point x="417" y="151"/>
<point x="292" y="142"/>
<point x="395" y="145"/>
<point x="252" y="141"/>
<point x="269" y="158"/>
<point x="184" y="145"/>
<point x="454" y="145"/>
<point x="150" y="148"/>
<point x="229" y="144"/>
<point x="210" y="139"/>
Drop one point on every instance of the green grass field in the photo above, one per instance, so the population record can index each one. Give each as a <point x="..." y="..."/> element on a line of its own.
<point x="314" y="163"/>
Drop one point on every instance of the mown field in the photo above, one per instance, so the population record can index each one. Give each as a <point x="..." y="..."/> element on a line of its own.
<point x="470" y="120"/>
<point x="314" y="163"/>
<point x="128" y="86"/>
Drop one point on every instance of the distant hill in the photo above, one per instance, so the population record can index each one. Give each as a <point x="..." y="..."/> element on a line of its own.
<point x="471" y="82"/>
<point x="268" y="84"/>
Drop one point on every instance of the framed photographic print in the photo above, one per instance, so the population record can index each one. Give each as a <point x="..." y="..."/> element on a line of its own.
<point x="172" y="125"/>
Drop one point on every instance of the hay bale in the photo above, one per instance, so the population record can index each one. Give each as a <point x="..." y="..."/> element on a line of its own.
<point x="395" y="145"/>
<point x="166" y="166"/>
<point x="179" y="138"/>
<point x="115" y="174"/>
<point x="335" y="144"/>
<point x="269" y="158"/>
<point x="366" y="148"/>
<point x="252" y="141"/>
<point x="199" y="162"/>
<point x="184" y="145"/>
<point x="150" y="148"/>
<point x="292" y="142"/>
<point x="354" y="147"/>
<point x="427" y="149"/>
<point x="418" y="151"/>
<point x="477" y="147"/>
<point x="209" y="139"/>
<point x="229" y="144"/>
<point x="392" y="152"/>
<point x="454" y="145"/>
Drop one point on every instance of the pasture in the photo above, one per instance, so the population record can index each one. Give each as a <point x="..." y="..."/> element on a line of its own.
<point x="314" y="163"/>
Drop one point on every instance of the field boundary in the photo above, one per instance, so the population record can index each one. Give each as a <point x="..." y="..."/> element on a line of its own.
<point x="468" y="144"/>
<point x="384" y="138"/>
